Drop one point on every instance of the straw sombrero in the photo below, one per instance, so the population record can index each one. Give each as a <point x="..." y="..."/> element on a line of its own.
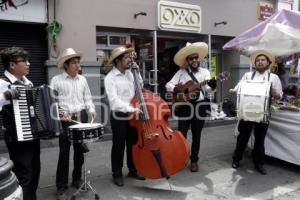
<point x="116" y="52"/>
<point x="262" y="52"/>
<point x="66" y="55"/>
<point x="200" y="48"/>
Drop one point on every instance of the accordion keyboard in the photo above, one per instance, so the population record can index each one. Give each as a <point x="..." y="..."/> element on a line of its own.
<point x="22" y="116"/>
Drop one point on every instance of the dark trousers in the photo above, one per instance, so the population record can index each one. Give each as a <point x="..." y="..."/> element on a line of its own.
<point x="123" y="134"/>
<point x="245" y="128"/>
<point x="27" y="165"/>
<point x="195" y="122"/>
<point x="62" y="172"/>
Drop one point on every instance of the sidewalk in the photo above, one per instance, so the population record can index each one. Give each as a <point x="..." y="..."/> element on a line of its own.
<point x="216" y="180"/>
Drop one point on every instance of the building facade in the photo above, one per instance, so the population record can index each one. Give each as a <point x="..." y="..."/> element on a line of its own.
<point x="157" y="29"/>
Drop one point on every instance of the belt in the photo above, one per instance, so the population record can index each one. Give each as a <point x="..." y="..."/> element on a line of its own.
<point x="75" y="115"/>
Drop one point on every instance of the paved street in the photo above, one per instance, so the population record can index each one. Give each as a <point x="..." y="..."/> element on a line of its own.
<point x="215" y="180"/>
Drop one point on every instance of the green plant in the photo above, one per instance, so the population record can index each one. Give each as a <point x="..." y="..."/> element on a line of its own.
<point x="54" y="28"/>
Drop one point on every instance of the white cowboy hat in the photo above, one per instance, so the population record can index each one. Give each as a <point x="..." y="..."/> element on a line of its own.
<point x="116" y="52"/>
<point x="66" y="55"/>
<point x="200" y="48"/>
<point x="262" y="52"/>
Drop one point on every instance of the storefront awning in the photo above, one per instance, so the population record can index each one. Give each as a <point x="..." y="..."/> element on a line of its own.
<point x="279" y="34"/>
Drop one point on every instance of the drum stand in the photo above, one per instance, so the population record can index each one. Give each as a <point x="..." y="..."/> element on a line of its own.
<point x="86" y="183"/>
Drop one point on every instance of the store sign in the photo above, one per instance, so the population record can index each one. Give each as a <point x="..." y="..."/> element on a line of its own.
<point x="265" y="10"/>
<point x="24" y="10"/>
<point x="213" y="66"/>
<point x="179" y="16"/>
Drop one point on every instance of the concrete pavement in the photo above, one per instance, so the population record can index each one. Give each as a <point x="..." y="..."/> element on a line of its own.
<point x="215" y="180"/>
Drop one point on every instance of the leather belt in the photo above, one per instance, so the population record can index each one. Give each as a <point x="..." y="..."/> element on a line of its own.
<point x="75" y="115"/>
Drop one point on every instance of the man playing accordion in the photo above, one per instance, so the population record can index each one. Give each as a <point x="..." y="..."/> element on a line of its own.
<point x="24" y="154"/>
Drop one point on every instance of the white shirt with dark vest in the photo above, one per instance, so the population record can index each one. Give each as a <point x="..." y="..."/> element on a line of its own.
<point x="4" y="86"/>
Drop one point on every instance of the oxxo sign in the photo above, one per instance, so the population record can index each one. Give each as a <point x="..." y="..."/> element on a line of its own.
<point x="179" y="16"/>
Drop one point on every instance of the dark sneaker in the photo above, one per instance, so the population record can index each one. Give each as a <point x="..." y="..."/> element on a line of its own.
<point x="136" y="176"/>
<point x="118" y="181"/>
<point x="61" y="195"/>
<point x="235" y="164"/>
<point x="260" y="168"/>
<point x="194" y="167"/>
<point x="85" y="148"/>
<point x="77" y="183"/>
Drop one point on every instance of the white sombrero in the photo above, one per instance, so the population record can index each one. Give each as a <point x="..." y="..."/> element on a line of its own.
<point x="66" y="55"/>
<point x="262" y="52"/>
<point x="200" y="48"/>
<point x="116" y="52"/>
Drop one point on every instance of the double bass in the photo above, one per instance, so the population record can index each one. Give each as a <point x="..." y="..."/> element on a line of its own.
<point x="159" y="151"/>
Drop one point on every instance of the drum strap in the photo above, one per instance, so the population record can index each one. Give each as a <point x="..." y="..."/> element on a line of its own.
<point x="253" y="74"/>
<point x="269" y="74"/>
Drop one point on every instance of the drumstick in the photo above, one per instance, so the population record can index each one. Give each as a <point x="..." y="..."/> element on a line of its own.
<point x="77" y="122"/>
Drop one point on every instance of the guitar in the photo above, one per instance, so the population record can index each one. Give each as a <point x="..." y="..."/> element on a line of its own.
<point x="190" y="90"/>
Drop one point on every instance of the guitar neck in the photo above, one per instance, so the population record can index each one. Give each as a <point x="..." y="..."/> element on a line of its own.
<point x="205" y="82"/>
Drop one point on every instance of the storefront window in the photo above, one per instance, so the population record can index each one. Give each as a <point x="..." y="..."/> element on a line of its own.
<point x="106" y="41"/>
<point x="102" y="39"/>
<point x="117" y="40"/>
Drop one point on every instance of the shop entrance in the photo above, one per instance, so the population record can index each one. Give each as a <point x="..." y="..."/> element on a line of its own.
<point x="167" y="47"/>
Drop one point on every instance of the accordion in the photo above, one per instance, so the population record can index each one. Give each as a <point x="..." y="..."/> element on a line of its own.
<point x="36" y="114"/>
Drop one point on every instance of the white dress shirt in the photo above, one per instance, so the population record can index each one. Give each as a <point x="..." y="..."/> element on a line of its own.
<point x="4" y="86"/>
<point x="182" y="77"/>
<point x="274" y="79"/>
<point x="74" y="94"/>
<point x="120" y="89"/>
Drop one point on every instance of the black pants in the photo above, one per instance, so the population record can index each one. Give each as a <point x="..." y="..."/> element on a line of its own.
<point x="196" y="124"/>
<point x="245" y="128"/>
<point x="27" y="165"/>
<point x="62" y="172"/>
<point x="123" y="134"/>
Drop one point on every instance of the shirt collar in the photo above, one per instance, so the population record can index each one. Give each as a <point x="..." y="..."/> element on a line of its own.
<point x="117" y="72"/>
<point x="265" y="72"/>
<point x="195" y="70"/>
<point x="67" y="76"/>
<point x="13" y="79"/>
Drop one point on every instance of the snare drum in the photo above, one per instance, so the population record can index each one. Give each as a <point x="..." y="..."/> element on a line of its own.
<point x="85" y="132"/>
<point x="253" y="101"/>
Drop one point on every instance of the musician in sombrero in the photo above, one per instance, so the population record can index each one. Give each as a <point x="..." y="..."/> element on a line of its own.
<point x="262" y="60"/>
<point x="194" y="111"/>
<point x="76" y="102"/>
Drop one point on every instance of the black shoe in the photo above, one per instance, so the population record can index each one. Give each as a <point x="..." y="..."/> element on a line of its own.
<point x="136" y="176"/>
<point x="77" y="183"/>
<point x="61" y="195"/>
<point x="194" y="167"/>
<point x="118" y="181"/>
<point x="235" y="164"/>
<point x="85" y="148"/>
<point x="260" y="168"/>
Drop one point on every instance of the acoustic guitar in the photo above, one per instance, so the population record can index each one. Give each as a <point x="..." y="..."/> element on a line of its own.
<point x="190" y="90"/>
